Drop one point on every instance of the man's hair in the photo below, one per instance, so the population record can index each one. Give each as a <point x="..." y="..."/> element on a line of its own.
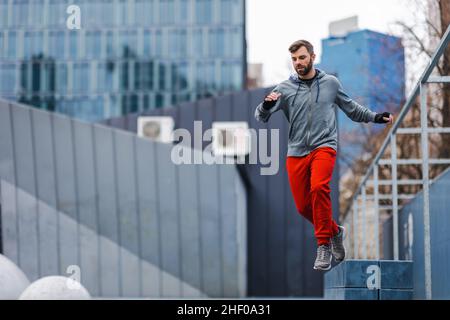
<point x="301" y="43"/>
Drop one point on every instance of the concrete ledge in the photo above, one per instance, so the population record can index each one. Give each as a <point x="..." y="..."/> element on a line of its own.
<point x="370" y="280"/>
<point x="351" y="294"/>
<point x="396" y="294"/>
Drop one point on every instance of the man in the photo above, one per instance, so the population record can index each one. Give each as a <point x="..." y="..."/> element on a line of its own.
<point x="308" y="100"/>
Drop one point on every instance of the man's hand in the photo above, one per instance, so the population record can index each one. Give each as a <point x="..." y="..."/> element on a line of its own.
<point x="270" y="100"/>
<point x="384" y="117"/>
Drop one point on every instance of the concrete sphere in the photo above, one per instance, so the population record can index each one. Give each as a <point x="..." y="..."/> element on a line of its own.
<point x="55" y="288"/>
<point x="12" y="280"/>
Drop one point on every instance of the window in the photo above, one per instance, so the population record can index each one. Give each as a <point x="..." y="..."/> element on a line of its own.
<point x="182" y="43"/>
<point x="12" y="45"/>
<point x="183" y="12"/>
<point x="80" y="77"/>
<point x="144" y="75"/>
<point x="216" y="42"/>
<point x="158" y="44"/>
<point x="61" y="76"/>
<point x="3" y="13"/>
<point x="147" y="43"/>
<point x="93" y="44"/>
<point x="7" y="78"/>
<point x="144" y="12"/>
<point x="104" y="78"/>
<point x="73" y="44"/>
<point x="237" y="43"/>
<point x="36" y="14"/>
<point x="198" y="50"/>
<point x="109" y="44"/>
<point x="226" y="11"/>
<point x="20" y="13"/>
<point x="173" y="44"/>
<point x="203" y="11"/>
<point x="180" y="76"/>
<point x="162" y="76"/>
<point x="210" y="76"/>
<point x="226" y="76"/>
<point x="159" y="100"/>
<point x="237" y="11"/>
<point x="122" y="13"/>
<point x="33" y="44"/>
<point x="167" y="12"/>
<point x="237" y="76"/>
<point x="24" y="77"/>
<point x="57" y="13"/>
<point x="49" y="77"/>
<point x="56" y="44"/>
<point x="127" y="43"/>
<point x="107" y="12"/>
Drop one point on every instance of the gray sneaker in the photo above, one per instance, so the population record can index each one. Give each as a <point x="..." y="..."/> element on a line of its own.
<point x="337" y="245"/>
<point x="323" y="259"/>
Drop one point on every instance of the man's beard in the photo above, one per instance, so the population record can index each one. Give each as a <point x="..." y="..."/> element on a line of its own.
<point x="305" y="71"/>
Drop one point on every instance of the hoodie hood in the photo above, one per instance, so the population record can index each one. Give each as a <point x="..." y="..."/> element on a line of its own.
<point x="295" y="79"/>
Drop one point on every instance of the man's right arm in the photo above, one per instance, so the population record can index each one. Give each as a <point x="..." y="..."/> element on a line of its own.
<point x="272" y="103"/>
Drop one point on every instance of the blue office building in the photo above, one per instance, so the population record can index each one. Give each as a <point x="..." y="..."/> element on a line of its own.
<point x="127" y="56"/>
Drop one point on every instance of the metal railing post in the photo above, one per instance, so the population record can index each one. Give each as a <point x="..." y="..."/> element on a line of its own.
<point x="355" y="228"/>
<point x="426" y="190"/>
<point x="364" y="222"/>
<point x="377" y="214"/>
<point x="394" y="194"/>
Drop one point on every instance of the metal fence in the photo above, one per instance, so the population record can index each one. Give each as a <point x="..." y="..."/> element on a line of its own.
<point x="356" y="218"/>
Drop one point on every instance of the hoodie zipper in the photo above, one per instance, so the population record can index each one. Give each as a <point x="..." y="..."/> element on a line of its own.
<point x="308" y="123"/>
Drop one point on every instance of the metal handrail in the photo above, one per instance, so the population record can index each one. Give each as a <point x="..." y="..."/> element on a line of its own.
<point x="420" y="88"/>
<point x="444" y="41"/>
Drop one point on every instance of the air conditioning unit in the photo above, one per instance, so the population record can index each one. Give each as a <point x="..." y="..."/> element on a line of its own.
<point x="231" y="138"/>
<point x="158" y="128"/>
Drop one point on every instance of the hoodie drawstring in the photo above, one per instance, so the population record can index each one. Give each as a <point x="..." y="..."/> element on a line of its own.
<point x="296" y="93"/>
<point x="318" y="89"/>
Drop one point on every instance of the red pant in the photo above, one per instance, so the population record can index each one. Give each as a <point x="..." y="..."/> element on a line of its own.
<point x="309" y="177"/>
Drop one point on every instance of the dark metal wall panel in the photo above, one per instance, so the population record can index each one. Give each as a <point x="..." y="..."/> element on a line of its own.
<point x="26" y="206"/>
<point x="258" y="213"/>
<point x="107" y="210"/>
<point x="149" y="223"/>
<point x="169" y="227"/>
<point x="211" y="229"/>
<point x="229" y="229"/>
<point x="190" y="222"/>
<point x="66" y="190"/>
<point x="205" y="113"/>
<point x="223" y="108"/>
<point x="46" y="191"/>
<point x="9" y="234"/>
<point x="276" y="219"/>
<point x="128" y="212"/>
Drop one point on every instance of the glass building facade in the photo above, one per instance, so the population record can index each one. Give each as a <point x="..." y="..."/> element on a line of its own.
<point x="128" y="55"/>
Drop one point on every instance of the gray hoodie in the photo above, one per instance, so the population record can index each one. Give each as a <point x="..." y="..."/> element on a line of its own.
<point x="311" y="112"/>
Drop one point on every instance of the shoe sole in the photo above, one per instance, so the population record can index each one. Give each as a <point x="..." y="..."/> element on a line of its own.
<point x="323" y="269"/>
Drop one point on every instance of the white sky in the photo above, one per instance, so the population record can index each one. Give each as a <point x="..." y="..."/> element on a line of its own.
<point x="272" y="25"/>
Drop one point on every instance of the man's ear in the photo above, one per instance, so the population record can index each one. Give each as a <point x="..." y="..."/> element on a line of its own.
<point x="313" y="56"/>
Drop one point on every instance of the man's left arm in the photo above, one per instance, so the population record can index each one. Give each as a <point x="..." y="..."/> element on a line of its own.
<point x="357" y="112"/>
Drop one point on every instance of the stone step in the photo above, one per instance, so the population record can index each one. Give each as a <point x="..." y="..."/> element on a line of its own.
<point x="370" y="280"/>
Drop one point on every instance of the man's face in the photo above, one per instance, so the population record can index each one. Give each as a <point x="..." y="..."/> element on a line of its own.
<point x="302" y="61"/>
